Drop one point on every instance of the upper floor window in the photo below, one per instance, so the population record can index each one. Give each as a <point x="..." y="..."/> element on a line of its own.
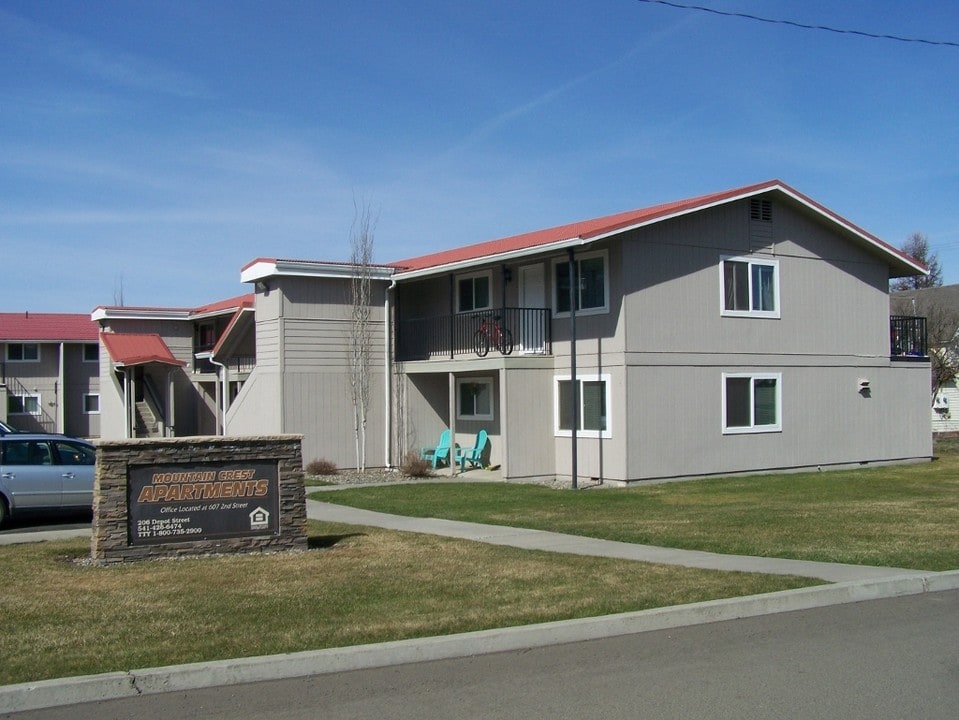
<point x="205" y="336"/>
<point x="473" y="292"/>
<point x="750" y="287"/>
<point x="590" y="292"/>
<point x="23" y="352"/>
<point x="91" y="352"/>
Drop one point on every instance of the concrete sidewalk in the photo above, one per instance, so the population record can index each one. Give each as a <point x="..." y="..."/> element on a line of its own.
<point x="558" y="542"/>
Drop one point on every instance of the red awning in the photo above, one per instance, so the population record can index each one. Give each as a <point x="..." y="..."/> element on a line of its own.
<point x="132" y="349"/>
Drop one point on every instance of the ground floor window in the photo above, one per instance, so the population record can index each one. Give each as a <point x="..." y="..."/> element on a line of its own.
<point x="474" y="398"/>
<point x="23" y="404"/>
<point x="752" y="402"/>
<point x="91" y="404"/>
<point x="593" y="395"/>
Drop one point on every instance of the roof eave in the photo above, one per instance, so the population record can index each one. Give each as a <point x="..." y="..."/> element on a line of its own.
<point x="120" y="313"/>
<point x="263" y="269"/>
<point x="146" y="360"/>
<point x="495" y="258"/>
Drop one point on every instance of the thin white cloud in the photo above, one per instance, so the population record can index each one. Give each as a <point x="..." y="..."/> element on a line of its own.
<point x="75" y="52"/>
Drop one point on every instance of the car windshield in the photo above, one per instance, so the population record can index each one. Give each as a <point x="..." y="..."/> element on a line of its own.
<point x="75" y="453"/>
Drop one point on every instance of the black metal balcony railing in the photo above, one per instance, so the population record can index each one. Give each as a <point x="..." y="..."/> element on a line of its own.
<point x="236" y="364"/>
<point x="907" y="338"/>
<point x="447" y="336"/>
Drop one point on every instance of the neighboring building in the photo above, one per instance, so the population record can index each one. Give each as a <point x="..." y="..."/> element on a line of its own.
<point x="50" y="373"/>
<point x="170" y="371"/>
<point x="940" y="307"/>
<point x="742" y="331"/>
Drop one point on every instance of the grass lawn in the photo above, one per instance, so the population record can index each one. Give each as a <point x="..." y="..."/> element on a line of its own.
<point x="896" y="516"/>
<point x="356" y="585"/>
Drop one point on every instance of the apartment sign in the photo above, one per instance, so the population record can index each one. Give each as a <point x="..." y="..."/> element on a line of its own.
<point x="202" y="501"/>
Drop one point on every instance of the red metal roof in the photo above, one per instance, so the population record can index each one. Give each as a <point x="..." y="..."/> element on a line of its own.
<point x="590" y="229"/>
<point x="234" y="303"/>
<point x="135" y="349"/>
<point x="47" y="327"/>
<point x="581" y="233"/>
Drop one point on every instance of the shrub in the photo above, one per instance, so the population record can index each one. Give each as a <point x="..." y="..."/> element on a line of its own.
<point x="321" y="467"/>
<point x="415" y="466"/>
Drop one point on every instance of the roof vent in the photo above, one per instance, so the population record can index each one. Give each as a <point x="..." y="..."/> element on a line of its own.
<point x="761" y="210"/>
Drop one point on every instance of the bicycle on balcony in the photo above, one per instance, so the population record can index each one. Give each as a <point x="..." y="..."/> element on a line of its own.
<point x="491" y="333"/>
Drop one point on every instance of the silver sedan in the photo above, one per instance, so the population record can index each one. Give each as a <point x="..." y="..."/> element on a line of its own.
<point x="45" y="473"/>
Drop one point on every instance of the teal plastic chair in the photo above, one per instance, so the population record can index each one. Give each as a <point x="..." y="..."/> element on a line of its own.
<point x="440" y="453"/>
<point x="473" y="455"/>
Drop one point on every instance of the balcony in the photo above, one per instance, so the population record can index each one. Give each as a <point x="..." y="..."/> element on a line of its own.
<point x="237" y="365"/>
<point x="907" y="337"/>
<point x="447" y="336"/>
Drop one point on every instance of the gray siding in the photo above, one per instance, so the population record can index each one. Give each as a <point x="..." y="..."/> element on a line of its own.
<point x="301" y="383"/>
<point x="528" y="440"/>
<point x="258" y="408"/>
<point x="79" y="379"/>
<point x="675" y="420"/>
<point x="833" y="297"/>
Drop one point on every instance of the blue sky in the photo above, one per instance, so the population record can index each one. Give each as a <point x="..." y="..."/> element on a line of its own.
<point x="157" y="147"/>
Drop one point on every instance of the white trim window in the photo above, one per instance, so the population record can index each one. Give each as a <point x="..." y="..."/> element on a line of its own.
<point x="23" y="405"/>
<point x="749" y="287"/>
<point x="473" y="292"/>
<point x="91" y="352"/>
<point x="23" y="352"/>
<point x="594" y="405"/>
<point x="91" y="403"/>
<point x="752" y="403"/>
<point x="474" y="398"/>
<point x="591" y="294"/>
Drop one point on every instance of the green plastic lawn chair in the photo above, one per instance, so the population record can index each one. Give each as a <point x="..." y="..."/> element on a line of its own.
<point x="440" y="453"/>
<point x="473" y="455"/>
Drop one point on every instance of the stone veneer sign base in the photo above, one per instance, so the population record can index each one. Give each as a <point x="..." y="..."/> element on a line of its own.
<point x="174" y="497"/>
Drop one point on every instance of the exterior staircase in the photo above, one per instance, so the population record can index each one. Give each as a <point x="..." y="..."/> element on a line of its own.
<point x="147" y="425"/>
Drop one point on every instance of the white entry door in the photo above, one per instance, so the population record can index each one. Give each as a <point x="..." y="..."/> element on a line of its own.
<point x="532" y="295"/>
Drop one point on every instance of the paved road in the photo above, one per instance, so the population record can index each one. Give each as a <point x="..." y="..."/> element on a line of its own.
<point x="893" y="658"/>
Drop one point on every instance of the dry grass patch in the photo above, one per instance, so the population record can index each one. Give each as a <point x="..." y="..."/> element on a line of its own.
<point x="360" y="585"/>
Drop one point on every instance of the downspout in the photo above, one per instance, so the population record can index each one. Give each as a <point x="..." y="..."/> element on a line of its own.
<point x="223" y="396"/>
<point x="171" y="410"/>
<point x="388" y="379"/>
<point x="127" y="406"/>
<point x="58" y="395"/>
<point x="574" y="385"/>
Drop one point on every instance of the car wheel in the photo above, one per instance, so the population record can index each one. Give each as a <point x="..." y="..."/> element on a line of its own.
<point x="3" y="511"/>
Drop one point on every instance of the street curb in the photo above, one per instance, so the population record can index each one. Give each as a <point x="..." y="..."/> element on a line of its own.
<point x="107" y="686"/>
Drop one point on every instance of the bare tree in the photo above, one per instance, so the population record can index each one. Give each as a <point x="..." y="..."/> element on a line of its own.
<point x="361" y="337"/>
<point x="941" y="330"/>
<point x="917" y="246"/>
<point x="118" y="290"/>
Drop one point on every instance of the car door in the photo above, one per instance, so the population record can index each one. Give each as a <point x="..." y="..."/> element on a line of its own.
<point x="77" y="463"/>
<point x="28" y="473"/>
